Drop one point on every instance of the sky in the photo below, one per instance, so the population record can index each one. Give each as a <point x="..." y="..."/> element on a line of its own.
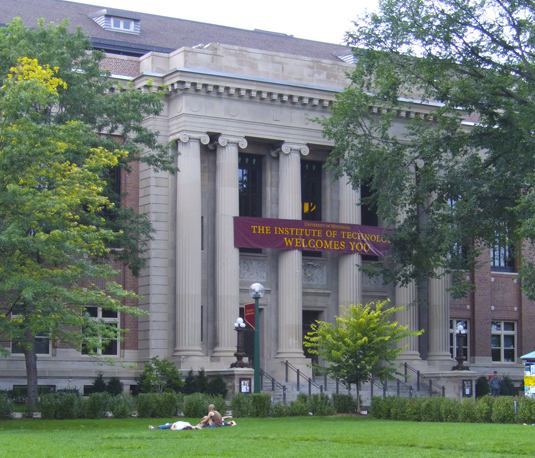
<point x="314" y="20"/>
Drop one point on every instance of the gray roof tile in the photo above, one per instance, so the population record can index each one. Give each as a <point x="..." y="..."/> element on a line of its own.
<point x="163" y="33"/>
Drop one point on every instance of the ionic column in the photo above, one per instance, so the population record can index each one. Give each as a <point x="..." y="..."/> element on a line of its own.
<point x="406" y="296"/>
<point x="290" y="275"/>
<point x="227" y="257"/>
<point x="349" y="272"/>
<point x="439" y="312"/>
<point x="188" y="244"/>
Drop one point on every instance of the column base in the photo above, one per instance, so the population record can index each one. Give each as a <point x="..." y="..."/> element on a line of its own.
<point x="187" y="352"/>
<point x="223" y="352"/>
<point x="410" y="355"/>
<point x="440" y="360"/>
<point x="191" y="362"/>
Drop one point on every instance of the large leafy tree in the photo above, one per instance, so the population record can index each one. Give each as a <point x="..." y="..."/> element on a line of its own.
<point x="64" y="128"/>
<point x="361" y="344"/>
<point x="459" y="175"/>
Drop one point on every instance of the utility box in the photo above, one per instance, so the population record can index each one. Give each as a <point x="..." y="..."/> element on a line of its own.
<point x="529" y="374"/>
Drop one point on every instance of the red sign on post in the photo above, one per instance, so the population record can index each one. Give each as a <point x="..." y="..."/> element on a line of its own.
<point x="248" y="315"/>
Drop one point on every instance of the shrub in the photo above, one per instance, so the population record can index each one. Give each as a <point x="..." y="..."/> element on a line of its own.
<point x="60" y="405"/>
<point x="430" y="409"/>
<point x="217" y="387"/>
<point x="97" y="404"/>
<point x="260" y="404"/>
<point x="526" y="410"/>
<point x="507" y="387"/>
<point x="449" y="409"/>
<point x="344" y="403"/>
<point x="121" y="406"/>
<point x="166" y="404"/>
<point x="241" y="405"/>
<point x="503" y="410"/>
<point x="467" y="411"/>
<point x="280" y="410"/>
<point x="299" y="407"/>
<point x="196" y="405"/>
<point x="159" y="375"/>
<point x="147" y="405"/>
<point x="99" y="385"/>
<point x="397" y="408"/>
<point x="380" y="408"/>
<point x="412" y="411"/>
<point x="6" y="407"/>
<point x="114" y="386"/>
<point x="482" y="387"/>
<point x="189" y="383"/>
<point x="483" y="410"/>
<point x="201" y="382"/>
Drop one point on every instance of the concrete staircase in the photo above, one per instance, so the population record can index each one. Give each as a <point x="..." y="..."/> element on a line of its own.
<point x="409" y="382"/>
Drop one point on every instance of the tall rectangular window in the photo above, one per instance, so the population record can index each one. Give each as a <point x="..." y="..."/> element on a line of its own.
<point x="368" y="215"/>
<point x="250" y="184"/>
<point x="109" y="347"/>
<point x="502" y="254"/>
<point x="311" y="190"/>
<point x="503" y="341"/>
<point x="464" y="341"/>
<point x="311" y="195"/>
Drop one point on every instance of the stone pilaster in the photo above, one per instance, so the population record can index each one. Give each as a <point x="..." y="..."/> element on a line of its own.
<point x="188" y="244"/>
<point x="439" y="311"/>
<point x="290" y="268"/>
<point x="406" y="296"/>
<point x="227" y="257"/>
<point x="349" y="271"/>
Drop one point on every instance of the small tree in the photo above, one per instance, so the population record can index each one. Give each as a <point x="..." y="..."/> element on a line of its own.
<point x="159" y="375"/>
<point x="99" y="385"/>
<point x="361" y="344"/>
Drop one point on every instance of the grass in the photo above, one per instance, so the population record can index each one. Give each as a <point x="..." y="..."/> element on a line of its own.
<point x="271" y="437"/>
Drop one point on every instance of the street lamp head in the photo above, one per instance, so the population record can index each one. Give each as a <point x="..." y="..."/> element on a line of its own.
<point x="460" y="328"/>
<point x="239" y="323"/>
<point x="256" y="290"/>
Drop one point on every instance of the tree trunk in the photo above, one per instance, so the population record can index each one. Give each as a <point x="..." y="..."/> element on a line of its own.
<point x="31" y="371"/>
<point x="358" y="396"/>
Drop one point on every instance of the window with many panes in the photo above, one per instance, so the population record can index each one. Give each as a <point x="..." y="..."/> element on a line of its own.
<point x="123" y="24"/>
<point x="250" y="189"/>
<point x="109" y="347"/>
<point x="503" y="341"/>
<point x="502" y="254"/>
<point x="463" y="341"/>
<point x="311" y="195"/>
<point x="250" y="184"/>
<point x="41" y="340"/>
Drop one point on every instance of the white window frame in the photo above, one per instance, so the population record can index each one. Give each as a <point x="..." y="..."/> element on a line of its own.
<point x="40" y="336"/>
<point x="502" y="333"/>
<point x="453" y="333"/>
<point x="121" y="24"/>
<point x="115" y="320"/>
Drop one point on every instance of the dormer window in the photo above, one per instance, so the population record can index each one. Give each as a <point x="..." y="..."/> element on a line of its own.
<point x="122" y="24"/>
<point x="118" y="20"/>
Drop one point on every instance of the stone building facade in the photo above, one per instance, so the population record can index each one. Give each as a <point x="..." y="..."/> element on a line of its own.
<point x="242" y="108"/>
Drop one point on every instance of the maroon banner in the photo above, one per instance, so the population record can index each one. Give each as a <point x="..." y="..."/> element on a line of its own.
<point x="289" y="234"/>
<point x="248" y="315"/>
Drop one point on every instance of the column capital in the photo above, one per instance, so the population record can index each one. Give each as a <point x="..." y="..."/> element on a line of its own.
<point x="224" y="140"/>
<point x="287" y="148"/>
<point x="186" y="137"/>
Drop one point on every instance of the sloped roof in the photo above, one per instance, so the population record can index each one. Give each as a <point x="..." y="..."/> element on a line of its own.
<point x="159" y="33"/>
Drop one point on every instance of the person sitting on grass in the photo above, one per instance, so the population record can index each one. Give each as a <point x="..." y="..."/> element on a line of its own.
<point x="214" y="419"/>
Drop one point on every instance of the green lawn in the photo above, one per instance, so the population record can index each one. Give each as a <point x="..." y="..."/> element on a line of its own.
<point x="297" y="436"/>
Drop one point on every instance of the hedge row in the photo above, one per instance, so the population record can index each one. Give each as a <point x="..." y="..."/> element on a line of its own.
<point x="99" y="405"/>
<point x="502" y="409"/>
<point x="259" y="405"/>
